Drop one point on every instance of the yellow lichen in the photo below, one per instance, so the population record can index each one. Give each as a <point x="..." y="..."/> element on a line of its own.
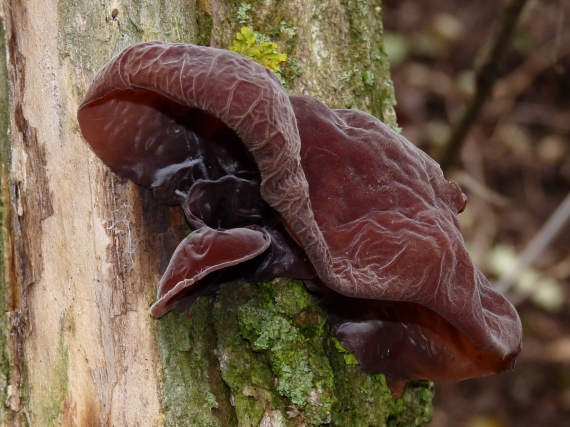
<point x="262" y="52"/>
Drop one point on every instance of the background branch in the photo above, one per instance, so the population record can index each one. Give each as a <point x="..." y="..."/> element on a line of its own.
<point x="486" y="75"/>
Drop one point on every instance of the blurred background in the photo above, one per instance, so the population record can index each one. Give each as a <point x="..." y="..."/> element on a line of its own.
<point x="514" y="166"/>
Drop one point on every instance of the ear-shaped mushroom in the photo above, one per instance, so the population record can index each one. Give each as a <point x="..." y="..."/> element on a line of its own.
<point x="373" y="213"/>
<point x="176" y="118"/>
<point x="201" y="253"/>
<point x="389" y="219"/>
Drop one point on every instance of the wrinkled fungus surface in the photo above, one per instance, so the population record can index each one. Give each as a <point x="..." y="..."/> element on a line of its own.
<point x="279" y="185"/>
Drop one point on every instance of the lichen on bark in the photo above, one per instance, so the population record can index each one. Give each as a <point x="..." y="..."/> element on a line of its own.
<point x="186" y="353"/>
<point x="284" y="323"/>
<point x="335" y="52"/>
<point x="278" y="362"/>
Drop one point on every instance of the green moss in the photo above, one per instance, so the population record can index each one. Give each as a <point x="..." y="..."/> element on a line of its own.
<point x="414" y="408"/>
<point x="187" y="355"/>
<point x="370" y="88"/>
<point x="349" y="358"/>
<point x="205" y="28"/>
<point x="285" y="324"/>
<point x="279" y="362"/>
<point x="363" y="400"/>
<point x="246" y="372"/>
<point x="366" y="400"/>
<point x="344" y="66"/>
<point x="269" y="25"/>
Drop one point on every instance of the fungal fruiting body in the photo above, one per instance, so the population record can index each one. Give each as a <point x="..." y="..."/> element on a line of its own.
<point x="279" y="185"/>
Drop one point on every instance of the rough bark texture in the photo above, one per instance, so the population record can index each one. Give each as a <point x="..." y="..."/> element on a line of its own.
<point x="83" y="250"/>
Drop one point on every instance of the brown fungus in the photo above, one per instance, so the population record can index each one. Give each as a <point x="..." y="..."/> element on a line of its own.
<point x="280" y="185"/>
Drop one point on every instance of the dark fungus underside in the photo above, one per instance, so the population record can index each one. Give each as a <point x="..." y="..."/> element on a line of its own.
<point x="280" y="185"/>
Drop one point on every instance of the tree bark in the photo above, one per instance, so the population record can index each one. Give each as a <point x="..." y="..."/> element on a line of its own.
<point x="82" y="250"/>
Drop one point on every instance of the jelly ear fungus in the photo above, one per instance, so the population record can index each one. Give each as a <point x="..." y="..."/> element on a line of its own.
<point x="279" y="185"/>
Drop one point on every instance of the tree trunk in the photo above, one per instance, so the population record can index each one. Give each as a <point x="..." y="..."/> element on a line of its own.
<point x="82" y="250"/>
